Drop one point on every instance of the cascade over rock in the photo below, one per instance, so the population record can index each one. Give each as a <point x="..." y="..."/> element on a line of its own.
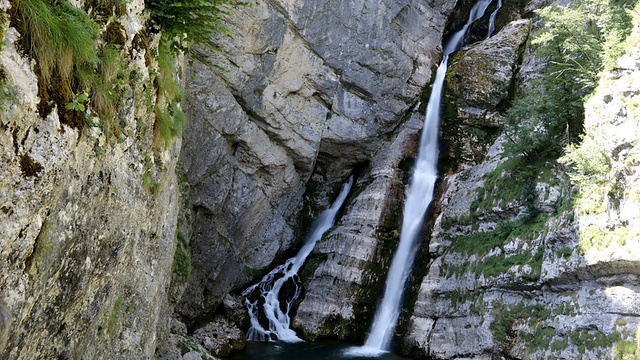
<point x="344" y="275"/>
<point x="540" y="293"/>
<point x="309" y="89"/>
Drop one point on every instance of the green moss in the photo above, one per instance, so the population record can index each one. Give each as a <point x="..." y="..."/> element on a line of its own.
<point x="621" y="322"/>
<point x="559" y="345"/>
<point x="182" y="258"/>
<point x="541" y="339"/>
<point x="626" y="350"/>
<point x="565" y="252"/>
<point x="590" y="340"/>
<point x="114" y="320"/>
<point x="29" y="166"/>
<point x="505" y="317"/>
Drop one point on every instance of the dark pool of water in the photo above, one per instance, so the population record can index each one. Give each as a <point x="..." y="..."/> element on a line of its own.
<point x="303" y="351"/>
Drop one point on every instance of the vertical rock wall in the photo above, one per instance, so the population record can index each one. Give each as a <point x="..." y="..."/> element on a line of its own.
<point x="86" y="249"/>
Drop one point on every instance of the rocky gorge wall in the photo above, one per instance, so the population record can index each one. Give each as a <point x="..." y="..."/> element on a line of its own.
<point x="501" y="285"/>
<point x="88" y="220"/>
<point x="302" y="94"/>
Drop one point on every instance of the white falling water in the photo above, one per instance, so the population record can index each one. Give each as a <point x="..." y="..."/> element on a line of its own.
<point x="492" y="19"/>
<point x="269" y="287"/>
<point x="419" y="195"/>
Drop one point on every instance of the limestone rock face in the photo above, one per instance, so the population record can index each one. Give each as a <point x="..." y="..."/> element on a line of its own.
<point x="344" y="275"/>
<point x="480" y="78"/>
<point x="306" y="89"/>
<point x="481" y="74"/>
<point x="86" y="251"/>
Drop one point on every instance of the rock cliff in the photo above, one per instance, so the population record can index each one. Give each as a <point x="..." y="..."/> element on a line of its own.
<point x="330" y="92"/>
<point x="102" y="229"/>
<point x="88" y="219"/>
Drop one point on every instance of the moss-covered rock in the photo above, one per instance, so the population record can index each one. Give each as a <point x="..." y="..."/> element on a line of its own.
<point x="479" y="81"/>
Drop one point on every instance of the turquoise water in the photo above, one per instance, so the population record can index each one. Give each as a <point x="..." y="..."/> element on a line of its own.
<point x="303" y="351"/>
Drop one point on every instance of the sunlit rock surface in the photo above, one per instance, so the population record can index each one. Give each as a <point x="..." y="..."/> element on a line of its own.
<point x="86" y="250"/>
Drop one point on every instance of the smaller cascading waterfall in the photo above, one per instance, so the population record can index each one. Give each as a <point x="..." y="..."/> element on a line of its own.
<point x="418" y="198"/>
<point x="271" y="284"/>
<point x="492" y="19"/>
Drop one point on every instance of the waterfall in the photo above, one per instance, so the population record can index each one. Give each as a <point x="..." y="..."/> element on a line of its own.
<point x="271" y="283"/>
<point x="419" y="195"/>
<point x="492" y="19"/>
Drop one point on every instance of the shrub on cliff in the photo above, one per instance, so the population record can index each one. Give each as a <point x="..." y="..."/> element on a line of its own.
<point x="577" y="41"/>
<point x="188" y="22"/>
<point x="183" y="23"/>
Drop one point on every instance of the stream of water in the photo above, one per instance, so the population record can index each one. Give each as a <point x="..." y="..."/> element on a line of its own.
<point x="418" y="198"/>
<point x="492" y="19"/>
<point x="271" y="284"/>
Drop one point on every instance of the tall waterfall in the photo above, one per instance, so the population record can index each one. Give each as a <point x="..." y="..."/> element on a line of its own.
<point x="419" y="195"/>
<point x="269" y="287"/>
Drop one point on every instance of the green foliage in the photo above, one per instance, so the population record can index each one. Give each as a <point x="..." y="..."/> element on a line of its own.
<point x="577" y="41"/>
<point x="535" y="123"/>
<point x="108" y="84"/>
<point x="60" y="37"/>
<point x="64" y="42"/>
<point x="481" y="244"/>
<point x="626" y="350"/>
<point x="182" y="258"/>
<point x="77" y="102"/>
<point x="187" y="22"/>
<point x="565" y="252"/>
<point x="169" y="117"/>
<point x="183" y="24"/>
<point x="591" y="340"/>
<point x="506" y="316"/>
<point x="148" y="183"/>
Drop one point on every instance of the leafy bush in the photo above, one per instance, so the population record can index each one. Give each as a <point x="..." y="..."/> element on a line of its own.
<point x="577" y="41"/>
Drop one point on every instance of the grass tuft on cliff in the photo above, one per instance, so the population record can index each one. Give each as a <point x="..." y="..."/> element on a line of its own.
<point x="188" y="22"/>
<point x="71" y="67"/>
